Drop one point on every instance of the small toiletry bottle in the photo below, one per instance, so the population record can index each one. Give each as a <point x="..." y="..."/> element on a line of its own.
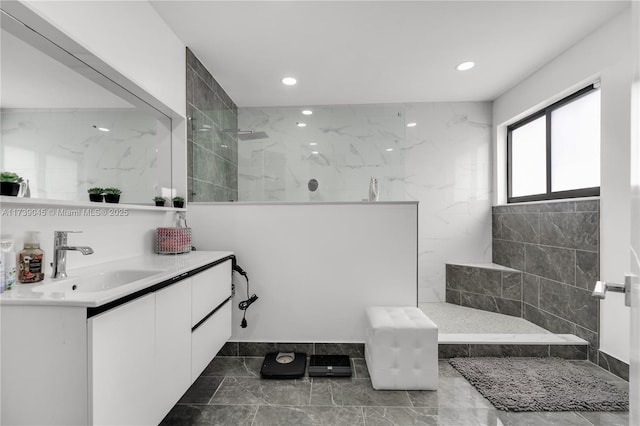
<point x="31" y="260"/>
<point x="1" y="276"/>
<point x="9" y="262"/>
<point x="373" y="189"/>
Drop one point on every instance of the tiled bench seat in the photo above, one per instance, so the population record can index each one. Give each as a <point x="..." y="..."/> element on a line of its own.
<point x="485" y="286"/>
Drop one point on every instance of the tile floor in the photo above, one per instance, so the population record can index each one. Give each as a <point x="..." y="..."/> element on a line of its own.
<point x="230" y="392"/>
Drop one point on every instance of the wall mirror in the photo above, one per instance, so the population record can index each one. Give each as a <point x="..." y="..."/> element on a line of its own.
<point x="67" y="128"/>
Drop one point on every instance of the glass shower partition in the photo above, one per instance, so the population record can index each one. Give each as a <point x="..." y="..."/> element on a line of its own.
<point x="328" y="155"/>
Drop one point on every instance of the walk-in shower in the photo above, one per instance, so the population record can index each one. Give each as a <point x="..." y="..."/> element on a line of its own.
<point x="340" y="147"/>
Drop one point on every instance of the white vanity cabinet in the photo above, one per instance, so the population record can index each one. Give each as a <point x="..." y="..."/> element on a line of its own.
<point x="121" y="368"/>
<point x="172" y="376"/>
<point x="124" y="363"/>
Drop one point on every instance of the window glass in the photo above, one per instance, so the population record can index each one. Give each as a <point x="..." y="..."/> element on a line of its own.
<point x="529" y="159"/>
<point x="575" y="144"/>
<point x="555" y="152"/>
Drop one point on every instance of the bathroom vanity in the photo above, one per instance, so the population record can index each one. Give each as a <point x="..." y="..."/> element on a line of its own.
<point x="117" y="343"/>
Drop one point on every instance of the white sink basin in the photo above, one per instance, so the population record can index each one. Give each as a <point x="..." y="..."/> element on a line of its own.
<point x="100" y="281"/>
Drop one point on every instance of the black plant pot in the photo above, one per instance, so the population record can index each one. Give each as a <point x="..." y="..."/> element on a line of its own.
<point x="9" y="188"/>
<point x="159" y="203"/>
<point x="112" y="198"/>
<point x="178" y="204"/>
<point x="98" y="198"/>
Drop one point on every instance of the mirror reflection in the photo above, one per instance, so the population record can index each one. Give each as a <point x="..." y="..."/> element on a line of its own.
<point x="64" y="133"/>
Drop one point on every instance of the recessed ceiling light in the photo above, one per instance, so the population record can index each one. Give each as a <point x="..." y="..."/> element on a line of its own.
<point x="313" y="143"/>
<point x="102" y="129"/>
<point x="289" y="81"/>
<point x="314" y="152"/>
<point x="307" y="112"/>
<point x="389" y="149"/>
<point x="465" y="66"/>
<point x="412" y="124"/>
<point x="301" y="124"/>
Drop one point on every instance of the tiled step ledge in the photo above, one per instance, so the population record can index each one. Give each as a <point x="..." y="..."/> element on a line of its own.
<point x="566" y="351"/>
<point x="511" y="339"/>
<point x="488" y="265"/>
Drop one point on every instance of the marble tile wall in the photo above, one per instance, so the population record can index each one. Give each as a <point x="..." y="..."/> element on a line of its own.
<point x="212" y="153"/>
<point x="341" y="147"/>
<point x="443" y="162"/>
<point x="556" y="246"/>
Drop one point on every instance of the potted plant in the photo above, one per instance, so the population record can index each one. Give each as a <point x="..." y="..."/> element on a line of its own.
<point x="159" y="201"/>
<point x="96" y="194"/>
<point x="10" y="184"/>
<point x="112" y="195"/>
<point x="178" y="202"/>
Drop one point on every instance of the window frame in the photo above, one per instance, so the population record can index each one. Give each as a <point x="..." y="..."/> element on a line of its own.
<point x="546" y="112"/>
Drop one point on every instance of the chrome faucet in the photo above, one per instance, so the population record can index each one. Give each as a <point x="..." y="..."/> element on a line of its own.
<point x="60" y="250"/>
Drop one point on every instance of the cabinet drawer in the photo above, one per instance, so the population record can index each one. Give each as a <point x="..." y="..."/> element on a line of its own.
<point x="209" y="289"/>
<point x="208" y="339"/>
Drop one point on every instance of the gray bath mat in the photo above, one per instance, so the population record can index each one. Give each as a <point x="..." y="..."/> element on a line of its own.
<point x="540" y="384"/>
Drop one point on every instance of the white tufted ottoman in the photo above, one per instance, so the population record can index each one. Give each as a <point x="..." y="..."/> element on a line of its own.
<point x="401" y="349"/>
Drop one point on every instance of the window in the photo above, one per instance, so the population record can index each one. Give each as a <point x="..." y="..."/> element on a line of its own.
<point x="555" y="153"/>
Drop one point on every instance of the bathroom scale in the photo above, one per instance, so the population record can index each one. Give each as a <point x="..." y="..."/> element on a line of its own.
<point x="329" y="366"/>
<point x="284" y="365"/>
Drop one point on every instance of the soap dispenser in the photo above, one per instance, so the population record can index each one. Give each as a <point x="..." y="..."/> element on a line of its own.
<point x="31" y="260"/>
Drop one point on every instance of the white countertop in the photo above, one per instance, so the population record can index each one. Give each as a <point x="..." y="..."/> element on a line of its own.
<point x="168" y="266"/>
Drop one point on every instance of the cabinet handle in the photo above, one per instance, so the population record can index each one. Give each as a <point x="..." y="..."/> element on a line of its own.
<point x="177" y="277"/>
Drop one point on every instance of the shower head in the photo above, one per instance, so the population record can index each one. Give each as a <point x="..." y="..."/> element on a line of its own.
<point x="247" y="135"/>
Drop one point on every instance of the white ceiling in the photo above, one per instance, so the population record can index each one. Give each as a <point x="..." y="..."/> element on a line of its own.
<point x="351" y="52"/>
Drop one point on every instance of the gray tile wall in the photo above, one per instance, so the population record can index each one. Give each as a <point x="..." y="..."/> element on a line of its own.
<point x="212" y="155"/>
<point x="354" y="350"/>
<point x="577" y="352"/>
<point x="486" y="289"/>
<point x="557" y="247"/>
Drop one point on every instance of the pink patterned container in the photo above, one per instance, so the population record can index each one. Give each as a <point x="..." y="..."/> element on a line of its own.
<point x="173" y="240"/>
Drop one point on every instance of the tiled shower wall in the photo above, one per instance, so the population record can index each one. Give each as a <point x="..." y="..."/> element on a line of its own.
<point x="557" y="247"/>
<point x="443" y="162"/>
<point x="212" y="153"/>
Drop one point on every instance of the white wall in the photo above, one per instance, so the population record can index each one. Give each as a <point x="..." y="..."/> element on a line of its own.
<point x="118" y="235"/>
<point x="132" y="38"/>
<point x="135" y="48"/>
<point x="314" y="266"/>
<point x="606" y="54"/>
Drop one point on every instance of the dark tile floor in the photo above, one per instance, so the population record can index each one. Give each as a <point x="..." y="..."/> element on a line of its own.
<point x="230" y="392"/>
